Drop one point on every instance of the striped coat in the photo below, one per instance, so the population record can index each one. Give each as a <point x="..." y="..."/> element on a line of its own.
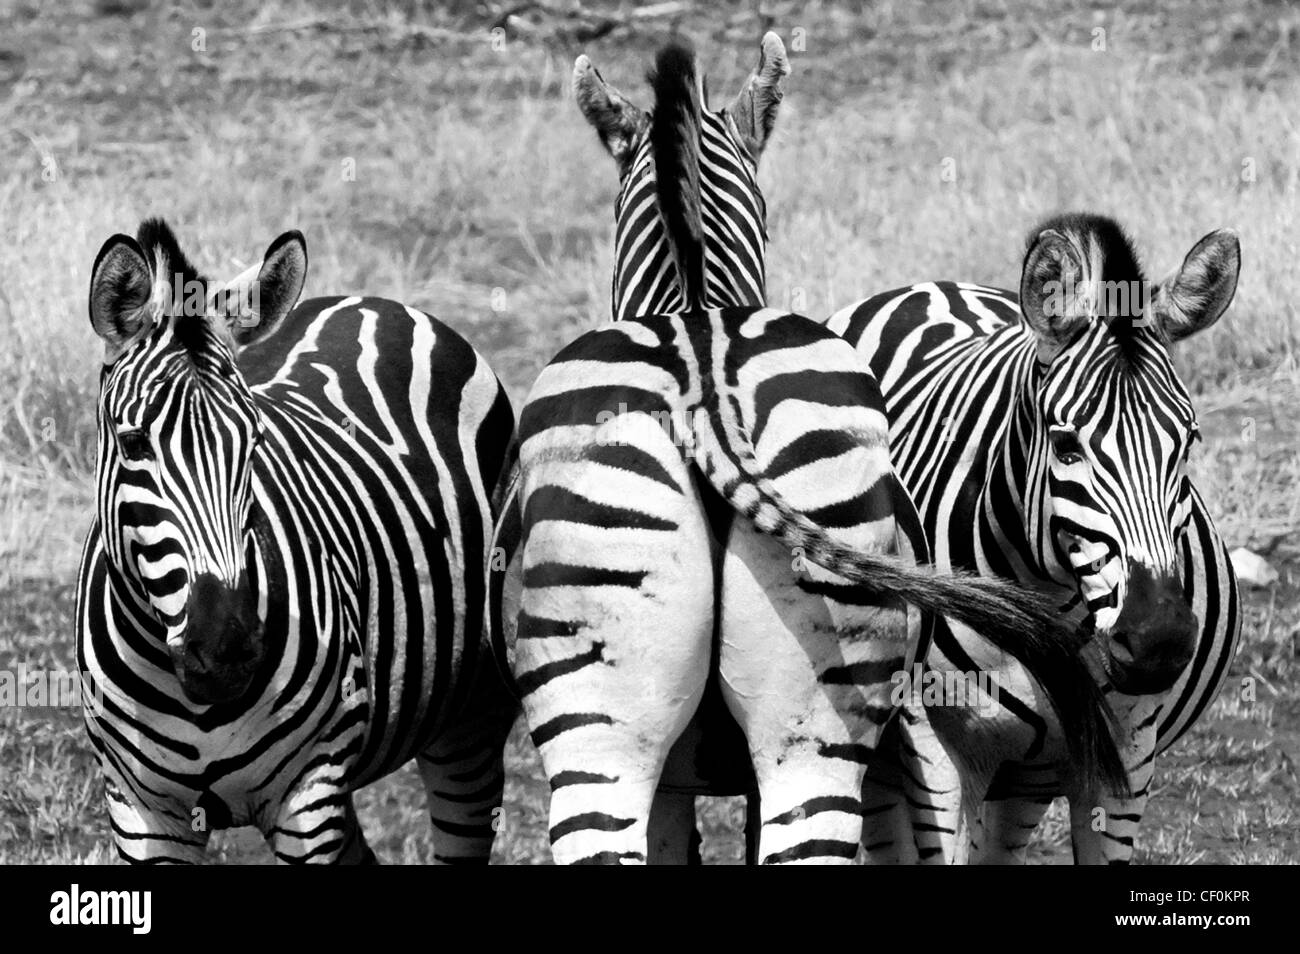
<point x="281" y="595"/>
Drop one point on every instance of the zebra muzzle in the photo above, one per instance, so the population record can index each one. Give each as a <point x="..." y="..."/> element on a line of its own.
<point x="1154" y="636"/>
<point x="223" y="646"/>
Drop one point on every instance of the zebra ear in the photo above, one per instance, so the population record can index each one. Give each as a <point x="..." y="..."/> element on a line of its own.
<point x="1052" y="300"/>
<point x="1196" y="294"/>
<point x="619" y="123"/>
<point x="121" y="286"/>
<point x="753" y="111"/>
<point x="257" y="302"/>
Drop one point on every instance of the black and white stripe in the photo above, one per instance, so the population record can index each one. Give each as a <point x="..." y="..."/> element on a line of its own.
<point x="281" y="595"/>
<point x="1048" y="446"/>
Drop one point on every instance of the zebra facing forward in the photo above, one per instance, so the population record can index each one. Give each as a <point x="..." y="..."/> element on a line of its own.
<point x="642" y="442"/>
<point x="281" y="594"/>
<point x="1045" y="441"/>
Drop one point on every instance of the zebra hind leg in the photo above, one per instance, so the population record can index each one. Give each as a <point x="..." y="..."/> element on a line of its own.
<point x="674" y="836"/>
<point x="609" y="691"/>
<point x="604" y="730"/>
<point x="811" y="703"/>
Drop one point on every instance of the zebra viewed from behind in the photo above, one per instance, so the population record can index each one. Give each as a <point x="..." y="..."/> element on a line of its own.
<point x="641" y="443"/>
<point x="281" y="594"/>
<point x="1045" y="440"/>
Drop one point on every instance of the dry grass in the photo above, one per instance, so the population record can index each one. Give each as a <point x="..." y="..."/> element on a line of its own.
<point x="479" y="195"/>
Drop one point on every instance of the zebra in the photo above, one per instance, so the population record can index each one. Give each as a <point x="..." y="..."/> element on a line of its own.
<point x="1045" y="440"/>
<point x="639" y="445"/>
<point x="281" y="595"/>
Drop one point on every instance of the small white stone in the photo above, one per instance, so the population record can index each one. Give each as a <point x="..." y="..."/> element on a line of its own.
<point x="1252" y="569"/>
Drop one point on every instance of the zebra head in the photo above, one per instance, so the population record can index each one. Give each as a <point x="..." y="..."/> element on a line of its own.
<point x="690" y="221"/>
<point x="178" y="431"/>
<point x="1110" y="426"/>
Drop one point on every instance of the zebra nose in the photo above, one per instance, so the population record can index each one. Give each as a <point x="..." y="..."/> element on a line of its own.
<point x="1155" y="635"/>
<point x="222" y="648"/>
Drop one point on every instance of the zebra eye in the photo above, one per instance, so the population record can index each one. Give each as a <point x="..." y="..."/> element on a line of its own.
<point x="1065" y="444"/>
<point x="135" y="444"/>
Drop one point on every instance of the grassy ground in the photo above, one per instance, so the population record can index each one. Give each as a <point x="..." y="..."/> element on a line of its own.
<point x="428" y="161"/>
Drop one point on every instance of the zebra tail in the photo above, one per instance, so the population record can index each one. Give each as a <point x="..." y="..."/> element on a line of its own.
<point x="1015" y="620"/>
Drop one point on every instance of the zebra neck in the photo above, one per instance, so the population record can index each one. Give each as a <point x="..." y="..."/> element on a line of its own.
<point x="663" y="299"/>
<point x="1000" y="515"/>
<point x="647" y="283"/>
<point x="265" y="561"/>
<point x="1011" y="468"/>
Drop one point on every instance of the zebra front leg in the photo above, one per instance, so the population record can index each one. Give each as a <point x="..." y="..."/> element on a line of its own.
<point x="941" y="786"/>
<point x="464" y="775"/>
<point x="1007" y="826"/>
<point x="319" y="825"/>
<point x="1103" y="830"/>
<point x="916" y="808"/>
<point x="887" y="837"/>
<point x="142" y="835"/>
<point x="1105" y="833"/>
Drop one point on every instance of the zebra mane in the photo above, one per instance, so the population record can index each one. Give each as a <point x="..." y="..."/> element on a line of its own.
<point x="675" y="146"/>
<point x="174" y="275"/>
<point x="1108" y="254"/>
<point x="162" y="251"/>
